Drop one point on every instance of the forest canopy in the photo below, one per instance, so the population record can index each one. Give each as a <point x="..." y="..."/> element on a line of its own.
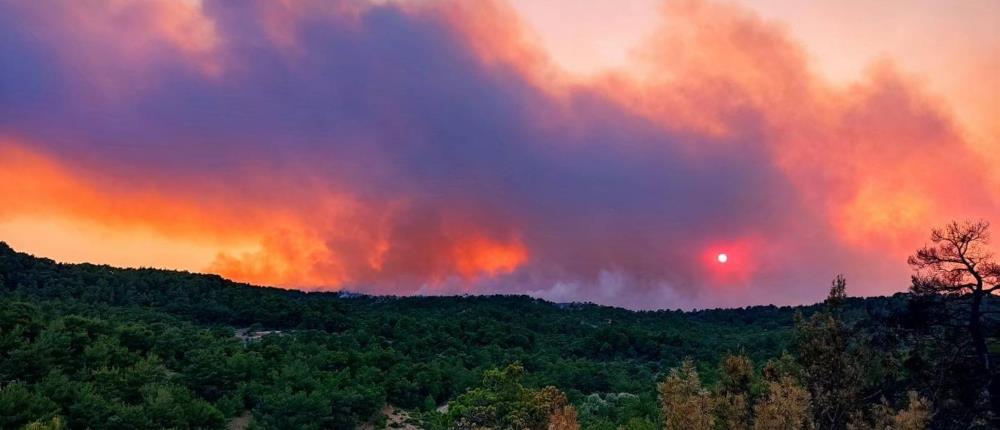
<point x="88" y="346"/>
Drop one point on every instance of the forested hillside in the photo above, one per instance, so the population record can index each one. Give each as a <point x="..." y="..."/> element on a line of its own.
<point x="86" y="346"/>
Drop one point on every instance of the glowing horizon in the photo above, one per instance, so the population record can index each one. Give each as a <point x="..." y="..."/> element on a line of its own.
<point x="607" y="153"/>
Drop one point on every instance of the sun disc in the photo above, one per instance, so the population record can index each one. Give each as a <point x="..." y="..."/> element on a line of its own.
<point x="722" y="258"/>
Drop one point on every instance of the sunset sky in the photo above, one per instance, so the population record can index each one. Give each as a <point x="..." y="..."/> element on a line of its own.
<point x="600" y="150"/>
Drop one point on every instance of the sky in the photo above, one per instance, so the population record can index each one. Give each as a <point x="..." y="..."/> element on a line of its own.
<point x="602" y="151"/>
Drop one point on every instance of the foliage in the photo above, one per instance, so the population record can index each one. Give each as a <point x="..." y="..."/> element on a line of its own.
<point x="825" y="385"/>
<point x="916" y="416"/>
<point x="686" y="404"/>
<point x="833" y="362"/>
<point x="959" y="265"/>
<point x="85" y="346"/>
<point x="736" y="393"/>
<point x="787" y="406"/>
<point x="502" y="402"/>
<point x="103" y="347"/>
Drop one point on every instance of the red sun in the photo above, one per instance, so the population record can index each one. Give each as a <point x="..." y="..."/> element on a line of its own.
<point x="730" y="262"/>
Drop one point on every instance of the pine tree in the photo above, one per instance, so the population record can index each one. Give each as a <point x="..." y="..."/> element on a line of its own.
<point x="685" y="404"/>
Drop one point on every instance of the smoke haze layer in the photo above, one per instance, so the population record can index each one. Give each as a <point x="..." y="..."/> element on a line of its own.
<point x="433" y="148"/>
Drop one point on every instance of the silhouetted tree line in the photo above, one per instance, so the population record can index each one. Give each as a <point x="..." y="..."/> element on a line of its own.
<point x="86" y="346"/>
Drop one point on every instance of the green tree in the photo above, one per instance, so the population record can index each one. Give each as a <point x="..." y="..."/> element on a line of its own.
<point x="429" y="403"/>
<point x="502" y="402"/>
<point x="832" y="362"/>
<point x="55" y="423"/>
<point x="20" y="406"/>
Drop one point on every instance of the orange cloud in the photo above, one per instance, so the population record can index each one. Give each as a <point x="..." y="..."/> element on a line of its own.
<point x="33" y="183"/>
<point x="322" y="260"/>
<point x="494" y="31"/>
<point x="70" y="214"/>
<point x="479" y="256"/>
<point x="326" y="244"/>
<point x="883" y="157"/>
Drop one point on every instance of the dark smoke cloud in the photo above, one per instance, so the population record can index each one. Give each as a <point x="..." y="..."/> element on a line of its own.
<point x="393" y="149"/>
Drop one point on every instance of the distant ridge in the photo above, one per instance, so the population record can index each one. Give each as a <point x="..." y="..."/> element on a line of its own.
<point x="14" y="266"/>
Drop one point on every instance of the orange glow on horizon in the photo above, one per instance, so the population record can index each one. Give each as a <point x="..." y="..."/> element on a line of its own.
<point x="47" y="209"/>
<point x="482" y="257"/>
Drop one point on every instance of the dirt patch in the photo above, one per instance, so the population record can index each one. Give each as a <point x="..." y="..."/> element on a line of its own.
<point x="241" y="422"/>
<point x="395" y="419"/>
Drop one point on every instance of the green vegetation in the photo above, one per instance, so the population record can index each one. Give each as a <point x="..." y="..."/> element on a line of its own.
<point x="105" y="347"/>
<point x="85" y="346"/>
